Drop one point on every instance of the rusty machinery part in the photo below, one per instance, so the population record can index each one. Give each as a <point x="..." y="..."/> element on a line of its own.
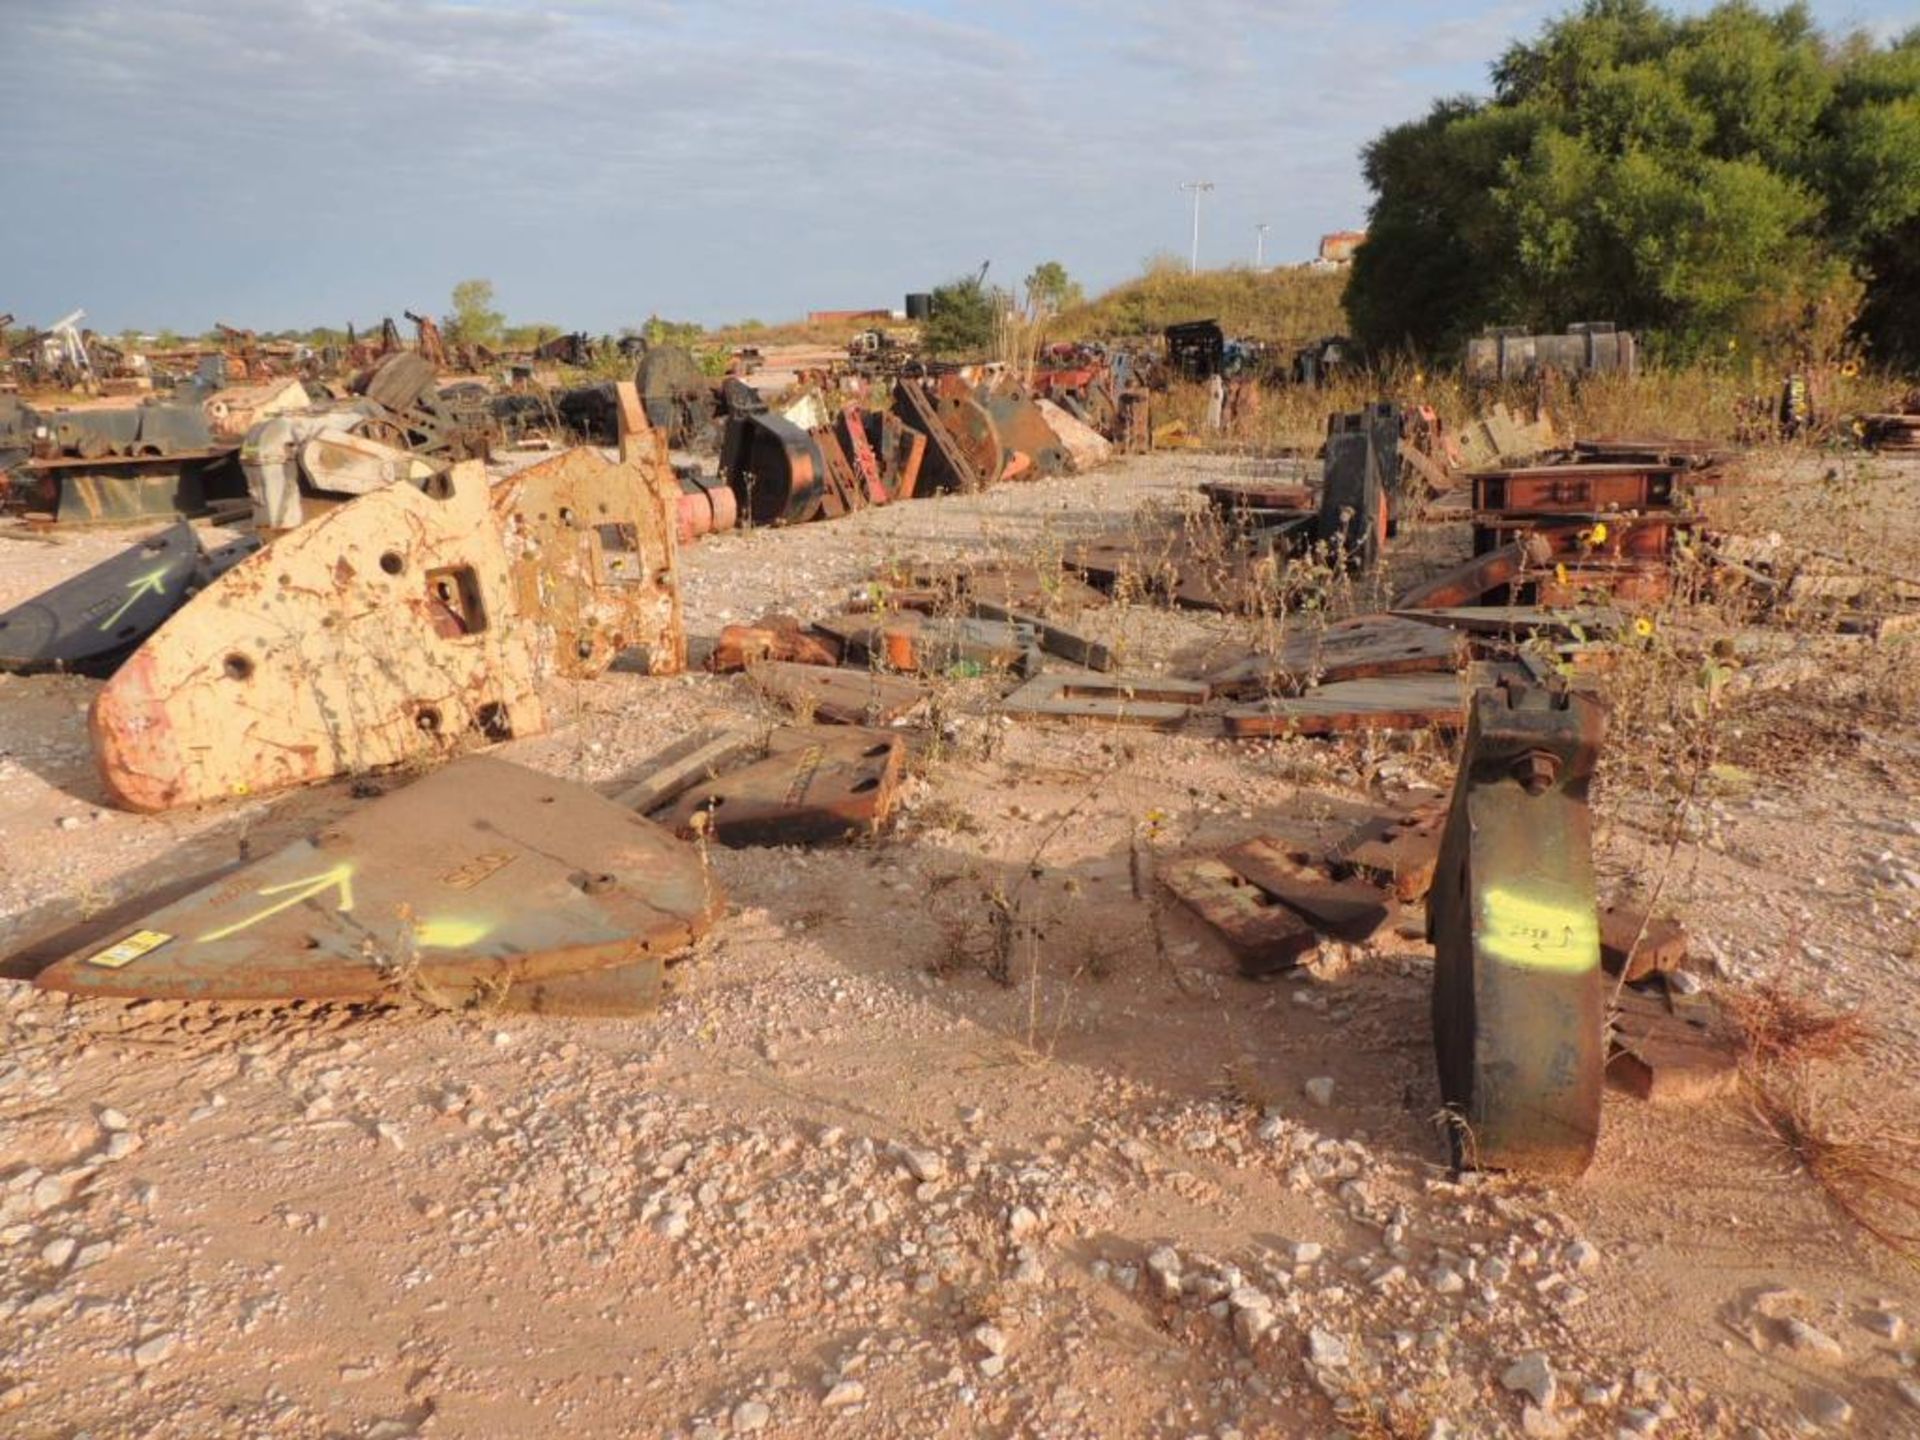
<point x="677" y="394"/>
<point x="1468" y="583"/>
<point x="383" y="632"/>
<point x="1024" y="430"/>
<point x="1353" y="494"/>
<point x="592" y="549"/>
<point x="459" y="888"/>
<point x="974" y="434"/>
<point x="1518" y="1022"/>
<point x="945" y="465"/>
<point x="90" y="623"/>
<point x="776" y="472"/>
<point x="1363" y="647"/>
<point x="850" y="425"/>
<point x="820" y="784"/>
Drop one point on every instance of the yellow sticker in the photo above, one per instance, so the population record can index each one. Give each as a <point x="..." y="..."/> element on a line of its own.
<point x="141" y="942"/>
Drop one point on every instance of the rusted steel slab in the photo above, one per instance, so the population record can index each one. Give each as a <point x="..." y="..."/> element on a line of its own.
<point x="682" y="765"/>
<point x="479" y="878"/>
<point x="837" y="697"/>
<point x="771" y="637"/>
<point x="925" y="644"/>
<point x="944" y="464"/>
<point x="1398" y="850"/>
<point x="1023" y="428"/>
<point x="1470" y="581"/>
<point x="1235" y="496"/>
<point x="1399" y="702"/>
<point x="1577" y="488"/>
<point x="1517" y="1003"/>
<point x="1349" y="909"/>
<point x="970" y="425"/>
<point x="383" y="632"/>
<point x="1671" y="1049"/>
<point x="821" y="784"/>
<point x="1146" y="700"/>
<point x="1638" y="944"/>
<point x="88" y="624"/>
<point x="1054" y="639"/>
<point x="1365" y="647"/>
<point x="1265" y="936"/>
<point x="1519" y="620"/>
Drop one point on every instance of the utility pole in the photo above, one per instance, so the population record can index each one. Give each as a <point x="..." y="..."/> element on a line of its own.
<point x="1260" y="245"/>
<point x="1199" y="188"/>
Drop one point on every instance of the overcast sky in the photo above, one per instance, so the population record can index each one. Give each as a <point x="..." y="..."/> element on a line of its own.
<point x="279" y="163"/>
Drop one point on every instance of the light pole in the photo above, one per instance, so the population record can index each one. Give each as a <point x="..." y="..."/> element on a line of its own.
<point x="1199" y="188"/>
<point x="1260" y="245"/>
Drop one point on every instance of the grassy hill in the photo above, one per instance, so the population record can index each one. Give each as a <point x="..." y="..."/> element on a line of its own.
<point x="1284" y="305"/>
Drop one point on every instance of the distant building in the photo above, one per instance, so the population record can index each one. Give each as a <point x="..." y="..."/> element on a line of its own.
<point x="1337" y="249"/>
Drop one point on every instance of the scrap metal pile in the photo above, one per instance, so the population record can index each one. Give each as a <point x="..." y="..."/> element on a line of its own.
<point x="422" y="611"/>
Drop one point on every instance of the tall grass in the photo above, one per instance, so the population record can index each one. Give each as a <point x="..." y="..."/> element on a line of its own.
<point x="1285" y="306"/>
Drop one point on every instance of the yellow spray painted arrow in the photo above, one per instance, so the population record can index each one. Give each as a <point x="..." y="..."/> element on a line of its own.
<point x="296" y="892"/>
<point x="147" y="584"/>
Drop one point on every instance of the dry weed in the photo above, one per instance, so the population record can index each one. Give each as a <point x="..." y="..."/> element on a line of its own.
<point x="1778" y="1027"/>
<point x="1865" y="1163"/>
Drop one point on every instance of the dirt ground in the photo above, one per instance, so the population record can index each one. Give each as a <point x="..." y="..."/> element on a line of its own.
<point x="866" y="1174"/>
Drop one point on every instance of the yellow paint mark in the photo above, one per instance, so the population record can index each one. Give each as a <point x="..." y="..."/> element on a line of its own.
<point x="125" y="952"/>
<point x="147" y="584"/>
<point x="295" y="893"/>
<point x="1537" y="934"/>
<point x="449" y="934"/>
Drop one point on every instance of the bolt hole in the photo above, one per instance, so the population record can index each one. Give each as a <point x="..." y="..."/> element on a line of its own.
<point x="392" y="562"/>
<point x="877" y="751"/>
<point x="237" y="666"/>
<point x="428" y="719"/>
<point x="861" y="787"/>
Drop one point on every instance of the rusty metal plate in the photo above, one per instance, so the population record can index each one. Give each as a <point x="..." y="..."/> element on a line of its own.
<point x="593" y="551"/>
<point x="1146" y="700"/>
<point x="973" y="432"/>
<point x="1364" y="647"/>
<point x="1397" y="702"/>
<point x="944" y="465"/>
<point x="837" y="697"/>
<point x="1517" y="1004"/>
<point x="89" y="623"/>
<point x="479" y="878"/>
<point x="383" y="632"/>
<point x="1577" y="488"/>
<point x="1638" y="944"/>
<point x="1671" y="1049"/>
<point x="1349" y="909"/>
<point x="820" y="784"/>
<point x="1470" y="581"/>
<point x="1264" y="935"/>
<point x="1024" y="430"/>
<point x="1397" y="850"/>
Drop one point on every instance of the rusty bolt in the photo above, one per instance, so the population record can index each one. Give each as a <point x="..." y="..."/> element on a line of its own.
<point x="1536" y="771"/>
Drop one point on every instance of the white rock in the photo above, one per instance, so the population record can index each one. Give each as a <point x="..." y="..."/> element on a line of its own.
<point x="843" y="1394"/>
<point x="1828" y="1409"/>
<point x="1886" y="1324"/>
<point x="1326" y="1348"/>
<point x="1022" y="1222"/>
<point x="1583" y="1257"/>
<point x="1319" y="1090"/>
<point x="92" y="1254"/>
<point x="154" y="1349"/>
<point x="1447" y="1281"/>
<point x="1809" y="1341"/>
<point x="991" y="1365"/>
<point x="1307" y="1252"/>
<point x="58" y="1252"/>
<point x="1541" y="1424"/>
<point x="1532" y="1375"/>
<point x="111" y="1119"/>
<point x="749" y="1416"/>
<point x="1909" y="1391"/>
<point x="923" y="1165"/>
<point x="990" y="1338"/>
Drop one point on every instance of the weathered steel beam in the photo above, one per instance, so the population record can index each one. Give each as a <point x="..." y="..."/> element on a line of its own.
<point x="1518" y="1018"/>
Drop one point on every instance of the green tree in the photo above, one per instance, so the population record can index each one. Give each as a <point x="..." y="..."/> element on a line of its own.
<point x="474" y="321"/>
<point x="1050" y="289"/>
<point x="965" y="312"/>
<point x="1697" y="178"/>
